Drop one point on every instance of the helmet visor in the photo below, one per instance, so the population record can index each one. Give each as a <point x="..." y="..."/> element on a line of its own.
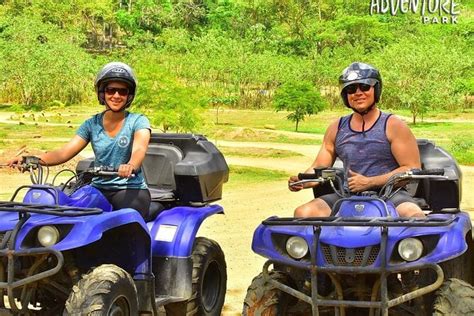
<point x="369" y="81"/>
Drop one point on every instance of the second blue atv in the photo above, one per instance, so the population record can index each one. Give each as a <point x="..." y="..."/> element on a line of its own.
<point x="64" y="251"/>
<point x="365" y="259"/>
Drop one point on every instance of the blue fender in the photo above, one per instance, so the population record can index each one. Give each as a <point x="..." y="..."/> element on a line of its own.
<point x="174" y="230"/>
<point x="84" y="229"/>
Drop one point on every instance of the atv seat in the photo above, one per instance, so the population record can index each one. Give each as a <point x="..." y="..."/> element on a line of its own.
<point x="158" y="169"/>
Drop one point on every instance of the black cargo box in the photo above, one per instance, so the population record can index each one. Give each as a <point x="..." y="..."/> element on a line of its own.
<point x="188" y="165"/>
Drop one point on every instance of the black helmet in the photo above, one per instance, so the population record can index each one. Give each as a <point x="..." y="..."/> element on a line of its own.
<point x="360" y="73"/>
<point x="115" y="71"/>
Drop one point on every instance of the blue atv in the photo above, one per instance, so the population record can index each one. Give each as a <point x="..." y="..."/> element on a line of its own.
<point x="364" y="259"/>
<point x="64" y="251"/>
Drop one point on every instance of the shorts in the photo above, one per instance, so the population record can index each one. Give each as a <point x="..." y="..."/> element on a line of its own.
<point x="398" y="198"/>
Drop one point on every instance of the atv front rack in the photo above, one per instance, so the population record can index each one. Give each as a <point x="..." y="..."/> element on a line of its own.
<point x="381" y="290"/>
<point x="359" y="221"/>
<point x="58" y="210"/>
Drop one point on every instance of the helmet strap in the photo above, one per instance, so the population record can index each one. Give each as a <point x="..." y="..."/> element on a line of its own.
<point x="363" y="113"/>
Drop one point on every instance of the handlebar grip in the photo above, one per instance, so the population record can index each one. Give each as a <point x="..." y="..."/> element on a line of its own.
<point x="307" y="176"/>
<point x="429" y="172"/>
<point x="111" y="174"/>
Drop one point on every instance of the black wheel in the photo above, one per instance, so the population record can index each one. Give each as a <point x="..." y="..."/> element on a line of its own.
<point x="454" y="297"/>
<point x="263" y="299"/>
<point x="209" y="282"/>
<point x="106" y="291"/>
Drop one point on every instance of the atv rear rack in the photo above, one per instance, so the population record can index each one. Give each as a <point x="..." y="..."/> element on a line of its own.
<point x="66" y="211"/>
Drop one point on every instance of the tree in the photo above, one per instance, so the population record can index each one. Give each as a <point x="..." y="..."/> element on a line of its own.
<point x="419" y="81"/>
<point x="170" y="104"/>
<point x="42" y="63"/>
<point x="300" y="98"/>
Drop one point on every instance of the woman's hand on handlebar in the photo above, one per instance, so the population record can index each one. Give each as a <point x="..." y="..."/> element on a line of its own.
<point x="15" y="162"/>
<point x="126" y="170"/>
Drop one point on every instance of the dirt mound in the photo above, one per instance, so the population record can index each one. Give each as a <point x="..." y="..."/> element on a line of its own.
<point x="240" y="133"/>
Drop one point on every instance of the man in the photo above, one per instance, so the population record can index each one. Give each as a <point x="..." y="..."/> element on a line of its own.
<point x="372" y="145"/>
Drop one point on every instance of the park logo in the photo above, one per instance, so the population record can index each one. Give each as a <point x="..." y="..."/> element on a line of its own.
<point x="431" y="11"/>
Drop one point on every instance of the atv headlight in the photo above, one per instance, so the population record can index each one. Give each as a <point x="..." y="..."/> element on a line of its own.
<point x="296" y="247"/>
<point x="410" y="249"/>
<point x="48" y="236"/>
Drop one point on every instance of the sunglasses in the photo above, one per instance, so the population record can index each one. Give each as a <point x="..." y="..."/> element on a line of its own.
<point x="351" y="89"/>
<point x="121" y="91"/>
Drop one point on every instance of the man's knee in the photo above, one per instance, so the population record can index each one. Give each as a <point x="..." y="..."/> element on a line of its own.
<point x="314" y="208"/>
<point x="409" y="209"/>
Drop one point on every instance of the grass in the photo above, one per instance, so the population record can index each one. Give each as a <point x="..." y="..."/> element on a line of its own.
<point x="14" y="136"/>
<point x="269" y="119"/>
<point x="455" y="137"/>
<point x="240" y="175"/>
<point x="454" y="132"/>
<point x="255" y="152"/>
<point x="247" y="134"/>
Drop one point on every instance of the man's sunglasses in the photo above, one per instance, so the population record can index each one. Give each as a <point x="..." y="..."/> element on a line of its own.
<point x="121" y="91"/>
<point x="352" y="88"/>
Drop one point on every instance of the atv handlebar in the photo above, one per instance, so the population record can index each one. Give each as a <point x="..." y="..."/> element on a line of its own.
<point x="103" y="171"/>
<point x="331" y="175"/>
<point x="428" y="172"/>
<point x="326" y="175"/>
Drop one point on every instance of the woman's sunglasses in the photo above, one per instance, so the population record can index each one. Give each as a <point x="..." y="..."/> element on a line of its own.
<point x="351" y="89"/>
<point x="121" y="91"/>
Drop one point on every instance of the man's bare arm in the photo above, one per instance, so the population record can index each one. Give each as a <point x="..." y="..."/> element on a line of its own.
<point x="327" y="153"/>
<point x="325" y="158"/>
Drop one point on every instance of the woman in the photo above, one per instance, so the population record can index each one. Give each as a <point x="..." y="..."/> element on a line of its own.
<point x="119" y="139"/>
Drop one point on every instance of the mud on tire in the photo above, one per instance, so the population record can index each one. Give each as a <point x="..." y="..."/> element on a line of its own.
<point x="454" y="297"/>
<point x="106" y="290"/>
<point x="209" y="282"/>
<point x="263" y="299"/>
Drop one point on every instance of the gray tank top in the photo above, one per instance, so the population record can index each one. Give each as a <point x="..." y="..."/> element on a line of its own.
<point x="367" y="153"/>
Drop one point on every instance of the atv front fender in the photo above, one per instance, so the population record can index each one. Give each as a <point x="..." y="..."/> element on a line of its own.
<point x="173" y="232"/>
<point x="84" y="230"/>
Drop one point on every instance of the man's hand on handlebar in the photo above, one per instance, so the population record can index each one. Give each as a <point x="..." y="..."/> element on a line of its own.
<point x="293" y="186"/>
<point x="303" y="181"/>
<point x="358" y="182"/>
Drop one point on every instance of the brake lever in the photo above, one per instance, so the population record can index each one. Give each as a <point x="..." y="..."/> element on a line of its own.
<point x="318" y="180"/>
